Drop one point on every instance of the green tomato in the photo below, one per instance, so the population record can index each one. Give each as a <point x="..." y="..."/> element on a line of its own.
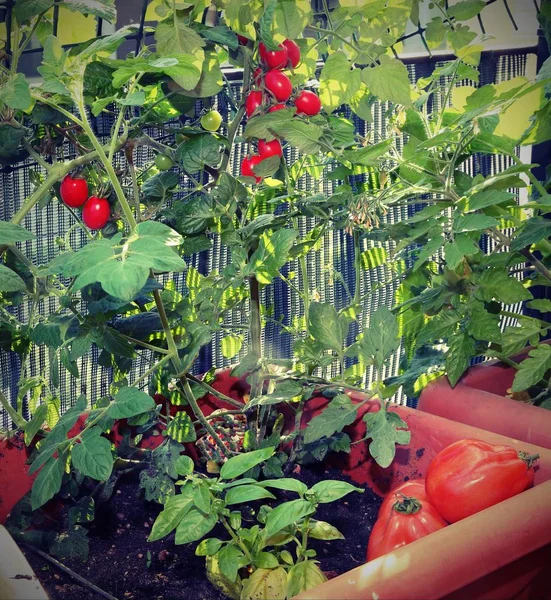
<point x="163" y="162"/>
<point x="211" y="121"/>
<point x="180" y="138"/>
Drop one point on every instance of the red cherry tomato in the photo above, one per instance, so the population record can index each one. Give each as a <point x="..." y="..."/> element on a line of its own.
<point x="247" y="166"/>
<point x="471" y="475"/>
<point x="253" y="101"/>
<point x="74" y="192"/>
<point x="293" y="53"/>
<point x="276" y="107"/>
<point x="243" y="41"/>
<point x="406" y="521"/>
<point x="257" y="75"/>
<point x="307" y="103"/>
<point x="272" y="148"/>
<point x="410" y="489"/>
<point x="275" y="59"/>
<point x="95" y="213"/>
<point x="279" y="84"/>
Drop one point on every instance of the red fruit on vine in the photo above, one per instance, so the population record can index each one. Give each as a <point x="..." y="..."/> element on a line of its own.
<point x="248" y="164"/>
<point x="252" y="102"/>
<point x="278" y="84"/>
<point x="276" y="107"/>
<point x="96" y="212"/>
<point x="307" y="103"/>
<point x="266" y="149"/>
<point x="257" y="75"/>
<point x="74" y="192"/>
<point x="275" y="59"/>
<point x="243" y="41"/>
<point x="293" y="53"/>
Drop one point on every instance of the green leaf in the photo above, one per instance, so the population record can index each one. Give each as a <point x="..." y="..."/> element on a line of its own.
<point x="267" y="167"/>
<point x="386" y="429"/>
<point x="266" y="560"/>
<point x="468" y="9"/>
<point x="33" y="426"/>
<point x="381" y="339"/>
<point x="331" y="490"/>
<point x="435" y="32"/>
<point x="540" y="130"/>
<point x="220" y="34"/>
<point x="202" y="498"/>
<point x="201" y="150"/>
<point x="338" y="81"/>
<point x="320" y="530"/>
<point x="271" y="255"/>
<point x="339" y="413"/>
<point x="285" y="391"/>
<point x="130" y="402"/>
<point x="489" y="198"/>
<point x="543" y="305"/>
<point x="104" y="9"/>
<point x="305" y="137"/>
<point x="532" y="369"/>
<point x="428" y="251"/>
<point x="10" y="233"/>
<point x="28" y="9"/>
<point x="211" y="81"/>
<point x="237" y="465"/>
<point x="246" y="493"/>
<point x="373" y="258"/>
<point x="181" y="428"/>
<point x="326" y="327"/>
<point x="286" y="483"/>
<point x="10" y="281"/>
<point x="531" y="232"/>
<point x="229" y="560"/>
<point x="286" y="514"/>
<point x="158" y="187"/>
<point x="389" y="81"/>
<point x="48" y="482"/>
<point x="48" y="334"/>
<point x="483" y="325"/>
<point x="10" y="138"/>
<point x="514" y="339"/>
<point x="497" y="284"/>
<point x="194" y="526"/>
<point x="208" y="547"/>
<point x="265" y="584"/>
<point x="15" y="92"/>
<point x="92" y="456"/>
<point x="174" y="511"/>
<point x="304" y="576"/>
<point x="174" y="37"/>
<point x="474" y="222"/>
<point x="262" y="127"/>
<point x="184" y="465"/>
<point x="455" y="251"/>
<point x="369" y="156"/>
<point x="291" y="17"/>
<point x="461" y="350"/>
<point x="460" y="37"/>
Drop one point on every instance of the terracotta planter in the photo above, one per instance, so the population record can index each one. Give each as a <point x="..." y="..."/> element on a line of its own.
<point x="479" y="400"/>
<point x="502" y="552"/>
<point x="13" y="473"/>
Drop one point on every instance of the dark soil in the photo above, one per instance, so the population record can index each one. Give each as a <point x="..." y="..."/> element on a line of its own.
<point x="118" y="559"/>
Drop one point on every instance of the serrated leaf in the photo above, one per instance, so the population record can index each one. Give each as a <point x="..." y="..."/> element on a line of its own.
<point x="489" y="198"/>
<point x="48" y="482"/>
<point x="201" y="150"/>
<point x="474" y="222"/>
<point x="10" y="233"/>
<point x="386" y="429"/>
<point x="291" y="17"/>
<point x="531" y="232"/>
<point x="465" y="10"/>
<point x="15" y="93"/>
<point x="181" y="428"/>
<point x="389" y="81"/>
<point x="458" y="357"/>
<point x="28" y="9"/>
<point x="325" y="326"/>
<point x="104" y="9"/>
<point x="338" y="82"/>
<point x="455" y="251"/>
<point x="532" y="369"/>
<point x="542" y="305"/>
<point x="10" y="281"/>
<point x="92" y="456"/>
<point x="381" y="339"/>
<point x="497" y="284"/>
<point x="130" y="402"/>
<point x="33" y="426"/>
<point x="271" y="255"/>
<point x="305" y="137"/>
<point x="285" y="391"/>
<point x="339" y="413"/>
<point x="483" y="325"/>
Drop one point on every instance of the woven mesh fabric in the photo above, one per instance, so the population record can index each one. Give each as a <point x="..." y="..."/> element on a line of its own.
<point x="336" y="255"/>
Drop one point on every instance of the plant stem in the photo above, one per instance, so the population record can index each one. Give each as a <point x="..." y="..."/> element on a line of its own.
<point x="255" y="329"/>
<point x="236" y="539"/>
<point x="357" y="267"/>
<point x="145" y="344"/>
<point x="214" y="392"/>
<point x="14" y="415"/>
<point x="539" y="266"/>
<point x="152" y="369"/>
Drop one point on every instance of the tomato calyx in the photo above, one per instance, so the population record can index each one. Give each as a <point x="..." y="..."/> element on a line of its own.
<point x="529" y="459"/>
<point x="407" y="505"/>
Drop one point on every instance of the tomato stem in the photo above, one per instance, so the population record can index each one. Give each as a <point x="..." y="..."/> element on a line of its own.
<point x="407" y="505"/>
<point x="529" y="459"/>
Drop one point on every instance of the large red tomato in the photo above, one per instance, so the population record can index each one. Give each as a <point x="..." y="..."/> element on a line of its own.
<point x="407" y="521"/>
<point x="73" y="191"/>
<point x="307" y="103"/>
<point x="266" y="149"/>
<point x="275" y="59"/>
<point x="279" y="84"/>
<point x="471" y="475"/>
<point x="414" y="488"/>
<point x="95" y="213"/>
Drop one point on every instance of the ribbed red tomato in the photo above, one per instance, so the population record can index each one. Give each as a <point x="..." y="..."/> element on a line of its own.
<point x="266" y="149"/>
<point x="248" y="164"/>
<point x="252" y="102"/>
<point x="414" y="488"/>
<point x="74" y="192"/>
<point x="279" y="84"/>
<point x="276" y="107"/>
<point x="275" y="59"/>
<point x="95" y="213"/>
<point x="407" y="520"/>
<point x="307" y="103"/>
<point x="471" y="475"/>
<point x="293" y="52"/>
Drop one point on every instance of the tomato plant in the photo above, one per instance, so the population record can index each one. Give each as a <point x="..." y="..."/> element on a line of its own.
<point x="96" y="212"/>
<point x="163" y="162"/>
<point x="401" y="523"/>
<point x="275" y="59"/>
<point x="293" y="53"/>
<point x="74" y="191"/>
<point x="248" y="164"/>
<point x="278" y="84"/>
<point x="308" y="103"/>
<point x="272" y="148"/>
<point x="253" y="102"/>
<point x="211" y="121"/>
<point x="470" y="475"/>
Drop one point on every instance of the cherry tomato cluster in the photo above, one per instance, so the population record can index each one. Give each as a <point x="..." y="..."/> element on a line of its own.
<point x="462" y="479"/>
<point x="95" y="211"/>
<point x="273" y="90"/>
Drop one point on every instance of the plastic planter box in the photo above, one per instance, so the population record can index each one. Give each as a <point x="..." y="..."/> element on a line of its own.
<point x="479" y="400"/>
